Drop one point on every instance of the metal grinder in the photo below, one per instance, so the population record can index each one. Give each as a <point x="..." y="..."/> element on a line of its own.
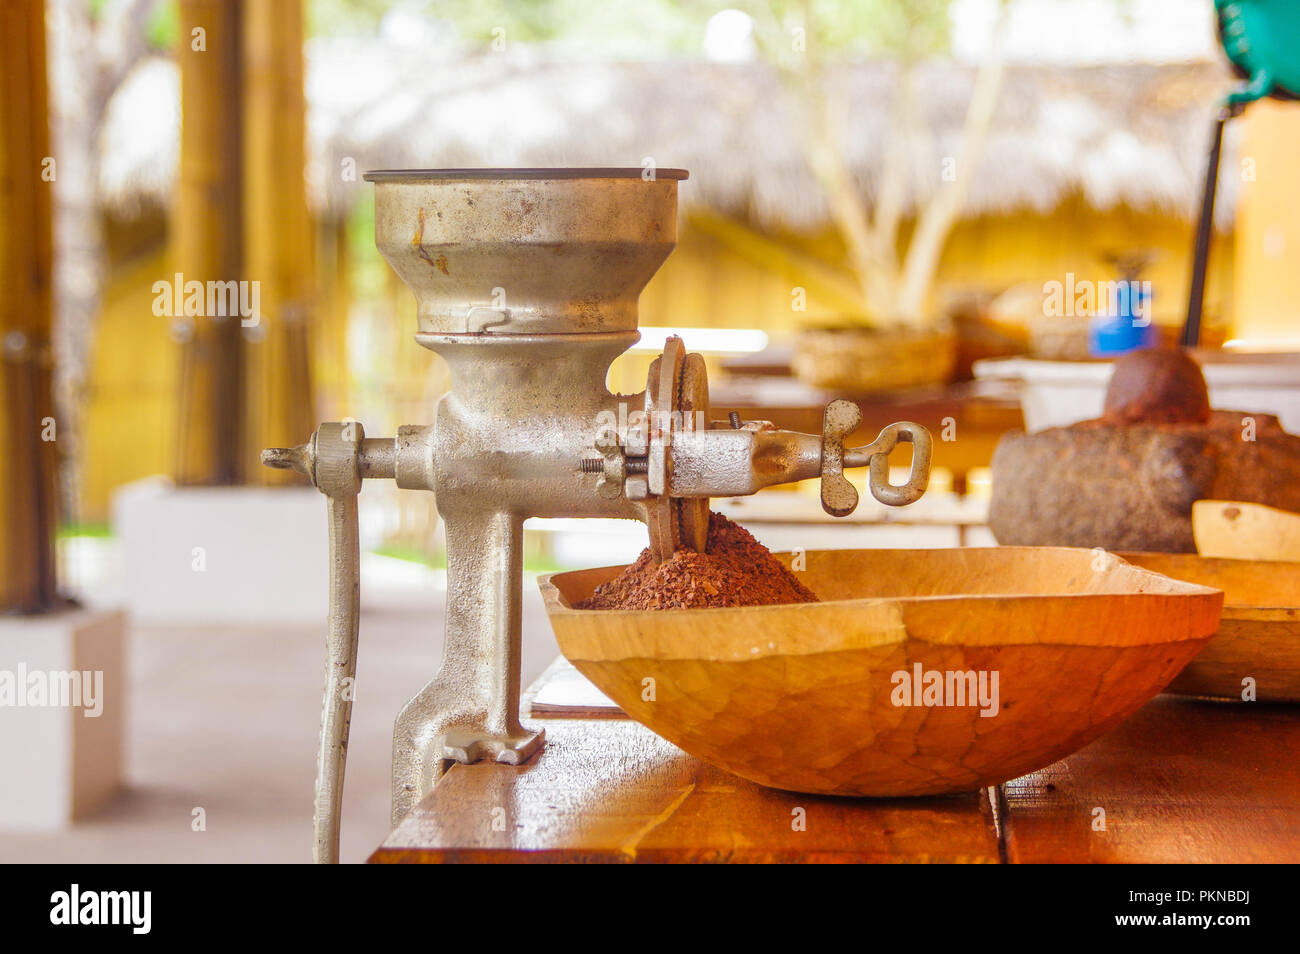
<point x="527" y="283"/>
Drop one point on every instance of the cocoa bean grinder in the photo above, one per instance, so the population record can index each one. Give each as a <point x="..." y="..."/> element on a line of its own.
<point x="527" y="283"/>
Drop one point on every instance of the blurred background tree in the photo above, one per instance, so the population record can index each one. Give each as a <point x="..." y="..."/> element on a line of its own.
<point x="806" y="39"/>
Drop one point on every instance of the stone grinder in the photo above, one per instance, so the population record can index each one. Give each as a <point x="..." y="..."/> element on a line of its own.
<point x="527" y="283"/>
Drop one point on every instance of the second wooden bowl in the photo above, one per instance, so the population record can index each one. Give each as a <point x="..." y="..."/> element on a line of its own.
<point x="1257" y="647"/>
<point x="921" y="672"/>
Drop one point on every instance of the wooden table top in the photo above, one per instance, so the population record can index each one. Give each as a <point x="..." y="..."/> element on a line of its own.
<point x="1182" y="780"/>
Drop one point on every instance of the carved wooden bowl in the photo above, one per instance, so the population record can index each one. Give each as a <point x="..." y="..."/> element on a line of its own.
<point x="809" y="697"/>
<point x="1259" y="633"/>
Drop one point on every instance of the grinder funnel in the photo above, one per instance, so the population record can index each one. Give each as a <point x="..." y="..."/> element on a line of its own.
<point x="526" y="251"/>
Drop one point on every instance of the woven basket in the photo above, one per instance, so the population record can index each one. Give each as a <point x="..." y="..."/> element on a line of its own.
<point x="869" y="360"/>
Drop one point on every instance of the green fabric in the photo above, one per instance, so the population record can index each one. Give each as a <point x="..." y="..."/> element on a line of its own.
<point x="1262" y="37"/>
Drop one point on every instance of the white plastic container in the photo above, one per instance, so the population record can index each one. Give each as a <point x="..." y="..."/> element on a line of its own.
<point x="1060" y="393"/>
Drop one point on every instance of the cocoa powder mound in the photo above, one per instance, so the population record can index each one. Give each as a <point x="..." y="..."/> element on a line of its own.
<point x="734" y="570"/>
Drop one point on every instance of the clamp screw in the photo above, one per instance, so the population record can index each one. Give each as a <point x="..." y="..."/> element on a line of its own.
<point x="596" y="465"/>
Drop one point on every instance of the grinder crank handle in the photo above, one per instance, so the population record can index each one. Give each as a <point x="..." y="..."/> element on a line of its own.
<point x="340" y="675"/>
<point x="333" y="462"/>
<point x="839" y="497"/>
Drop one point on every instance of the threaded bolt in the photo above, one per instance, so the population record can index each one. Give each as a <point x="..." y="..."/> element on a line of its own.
<point x="596" y="465"/>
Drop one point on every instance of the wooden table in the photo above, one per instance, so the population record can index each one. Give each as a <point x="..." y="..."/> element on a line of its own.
<point x="1182" y="780"/>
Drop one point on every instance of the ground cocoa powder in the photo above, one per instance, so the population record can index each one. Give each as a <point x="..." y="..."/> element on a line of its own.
<point x="734" y="570"/>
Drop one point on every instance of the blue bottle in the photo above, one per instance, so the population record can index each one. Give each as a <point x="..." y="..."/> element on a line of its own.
<point x="1123" y="320"/>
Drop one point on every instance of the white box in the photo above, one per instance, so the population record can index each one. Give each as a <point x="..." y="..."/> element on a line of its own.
<point x="223" y="554"/>
<point x="1061" y="393"/>
<point x="58" y="760"/>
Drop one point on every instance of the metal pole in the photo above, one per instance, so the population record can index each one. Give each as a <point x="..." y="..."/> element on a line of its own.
<point x="1191" y="336"/>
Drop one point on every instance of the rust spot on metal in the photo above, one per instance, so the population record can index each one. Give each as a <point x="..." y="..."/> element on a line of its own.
<point x="440" y="263"/>
<point x="591" y="307"/>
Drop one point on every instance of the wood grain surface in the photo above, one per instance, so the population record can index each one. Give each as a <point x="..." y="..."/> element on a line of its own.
<point x="609" y="790"/>
<point x="1181" y="781"/>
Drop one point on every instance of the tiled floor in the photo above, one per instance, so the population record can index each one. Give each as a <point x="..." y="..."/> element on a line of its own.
<point x="227" y="718"/>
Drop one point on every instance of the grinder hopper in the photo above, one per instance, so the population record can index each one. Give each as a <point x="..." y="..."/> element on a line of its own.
<point x="526" y="251"/>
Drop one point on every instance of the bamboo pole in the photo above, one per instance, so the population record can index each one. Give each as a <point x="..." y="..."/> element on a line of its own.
<point x="207" y="231"/>
<point x="279" y="233"/>
<point x="28" y="461"/>
<point x="329" y="351"/>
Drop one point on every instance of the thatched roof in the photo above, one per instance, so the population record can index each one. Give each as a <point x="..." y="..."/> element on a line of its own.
<point x="1131" y="134"/>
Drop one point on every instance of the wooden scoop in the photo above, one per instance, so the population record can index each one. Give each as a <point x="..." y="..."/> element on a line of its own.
<point x="1245" y="531"/>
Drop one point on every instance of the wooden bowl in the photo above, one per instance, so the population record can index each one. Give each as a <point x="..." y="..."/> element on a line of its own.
<point x="1245" y="531"/>
<point x="1259" y="633"/>
<point x="809" y="697"/>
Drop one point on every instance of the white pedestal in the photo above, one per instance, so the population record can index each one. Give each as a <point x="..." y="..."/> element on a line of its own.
<point x="60" y="733"/>
<point x="223" y="554"/>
